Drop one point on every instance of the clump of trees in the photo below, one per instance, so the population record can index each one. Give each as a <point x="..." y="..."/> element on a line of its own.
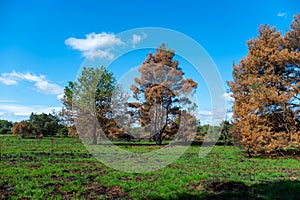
<point x="266" y="88"/>
<point x="40" y="125"/>
<point x="5" y="127"/>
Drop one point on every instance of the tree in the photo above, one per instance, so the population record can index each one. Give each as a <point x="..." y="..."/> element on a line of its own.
<point x="161" y="93"/>
<point x="23" y="129"/>
<point x="89" y="103"/>
<point x="45" y="124"/>
<point x="225" y="127"/>
<point x="5" y="127"/>
<point x="266" y="92"/>
<point x="67" y="115"/>
<point x="188" y="126"/>
<point x="292" y="43"/>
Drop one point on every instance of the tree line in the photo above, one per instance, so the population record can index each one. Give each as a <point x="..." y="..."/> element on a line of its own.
<point x="265" y="87"/>
<point x="39" y="125"/>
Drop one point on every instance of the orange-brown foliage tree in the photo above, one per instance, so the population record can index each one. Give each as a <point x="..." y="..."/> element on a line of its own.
<point x="22" y="129"/>
<point x="161" y="92"/>
<point x="266" y="91"/>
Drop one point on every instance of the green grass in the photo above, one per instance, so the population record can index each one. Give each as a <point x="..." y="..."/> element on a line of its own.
<point x="64" y="169"/>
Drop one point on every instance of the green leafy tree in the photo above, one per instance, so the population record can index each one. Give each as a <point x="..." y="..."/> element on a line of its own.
<point x="88" y="102"/>
<point x="5" y="127"/>
<point x="225" y="128"/>
<point x="67" y="115"/>
<point x="46" y="125"/>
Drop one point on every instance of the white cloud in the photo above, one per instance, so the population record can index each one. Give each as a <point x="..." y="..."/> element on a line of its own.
<point x="16" y="112"/>
<point x="95" y="45"/>
<point x="214" y="117"/>
<point x="21" y="110"/>
<point x="229" y="116"/>
<point x="60" y="96"/>
<point x="228" y="97"/>
<point x="23" y="76"/>
<point x="99" y="54"/>
<point x="8" y="81"/>
<point x="205" y="113"/>
<point x="40" y="82"/>
<point x="282" y="14"/>
<point x="137" y="38"/>
<point x="101" y="45"/>
<point x="209" y="117"/>
<point x="48" y="88"/>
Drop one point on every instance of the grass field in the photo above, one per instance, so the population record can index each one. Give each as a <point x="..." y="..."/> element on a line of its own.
<point x="61" y="168"/>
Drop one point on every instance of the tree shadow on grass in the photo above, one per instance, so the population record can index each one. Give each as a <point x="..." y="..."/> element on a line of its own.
<point x="283" y="190"/>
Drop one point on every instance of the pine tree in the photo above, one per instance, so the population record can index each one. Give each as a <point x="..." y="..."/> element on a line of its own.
<point x="89" y="103"/>
<point x="161" y="92"/>
<point x="266" y="89"/>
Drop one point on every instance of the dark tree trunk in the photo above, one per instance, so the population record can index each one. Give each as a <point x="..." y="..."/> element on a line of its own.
<point x="158" y="138"/>
<point x="249" y="153"/>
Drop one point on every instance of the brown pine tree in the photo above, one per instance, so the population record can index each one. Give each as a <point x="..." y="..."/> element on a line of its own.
<point x="22" y="129"/>
<point x="162" y="92"/>
<point x="292" y="42"/>
<point x="266" y="88"/>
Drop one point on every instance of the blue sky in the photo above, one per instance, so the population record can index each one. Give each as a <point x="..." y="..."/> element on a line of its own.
<point x="44" y="43"/>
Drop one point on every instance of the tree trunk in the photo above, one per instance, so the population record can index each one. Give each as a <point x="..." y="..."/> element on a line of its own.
<point x="158" y="138"/>
<point x="94" y="133"/>
<point x="94" y="139"/>
<point x="158" y="135"/>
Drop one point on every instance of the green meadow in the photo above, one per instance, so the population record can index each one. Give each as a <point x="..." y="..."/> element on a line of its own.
<point x="61" y="168"/>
